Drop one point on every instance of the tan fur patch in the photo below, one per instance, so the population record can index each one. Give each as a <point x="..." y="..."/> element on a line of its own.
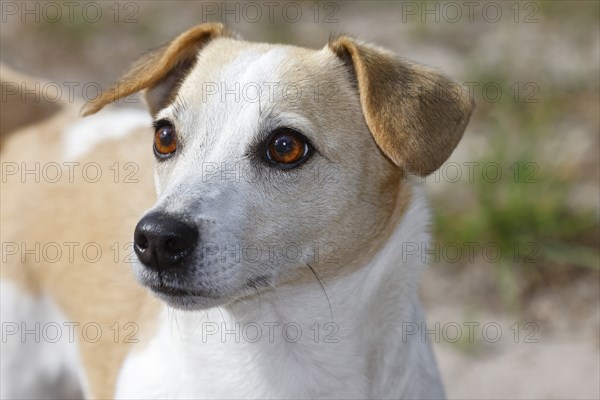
<point x="416" y="115"/>
<point x="102" y="215"/>
<point x="398" y="195"/>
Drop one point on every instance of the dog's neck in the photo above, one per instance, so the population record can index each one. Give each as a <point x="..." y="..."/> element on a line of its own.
<point x="343" y="339"/>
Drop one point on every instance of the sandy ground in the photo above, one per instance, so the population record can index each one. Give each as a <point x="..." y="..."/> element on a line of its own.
<point x="555" y="358"/>
<point x="556" y="368"/>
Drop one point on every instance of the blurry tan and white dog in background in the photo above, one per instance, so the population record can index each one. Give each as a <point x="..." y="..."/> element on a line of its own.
<point x="208" y="319"/>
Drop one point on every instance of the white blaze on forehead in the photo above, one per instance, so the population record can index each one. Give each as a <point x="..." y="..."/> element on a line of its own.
<point x="235" y="82"/>
<point x="222" y="103"/>
<point x="255" y="66"/>
<point x="251" y="74"/>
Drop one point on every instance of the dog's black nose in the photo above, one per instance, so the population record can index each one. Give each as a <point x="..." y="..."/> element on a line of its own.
<point x="162" y="242"/>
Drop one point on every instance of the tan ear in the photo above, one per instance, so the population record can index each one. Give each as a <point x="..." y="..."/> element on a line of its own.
<point x="159" y="71"/>
<point x="416" y="115"/>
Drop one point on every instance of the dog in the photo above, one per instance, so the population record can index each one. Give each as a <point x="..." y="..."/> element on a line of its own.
<point x="268" y="256"/>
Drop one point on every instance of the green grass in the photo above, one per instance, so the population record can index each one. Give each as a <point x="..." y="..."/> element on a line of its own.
<point x="528" y="217"/>
<point x="544" y="240"/>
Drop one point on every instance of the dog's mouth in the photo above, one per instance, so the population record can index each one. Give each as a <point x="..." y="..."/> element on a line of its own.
<point x="173" y="291"/>
<point x="190" y="298"/>
<point x="184" y="298"/>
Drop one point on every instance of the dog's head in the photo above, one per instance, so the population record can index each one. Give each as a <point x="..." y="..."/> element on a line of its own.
<point x="274" y="159"/>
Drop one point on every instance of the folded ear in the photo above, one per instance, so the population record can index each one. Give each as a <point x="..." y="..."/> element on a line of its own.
<point x="416" y="115"/>
<point x="160" y="71"/>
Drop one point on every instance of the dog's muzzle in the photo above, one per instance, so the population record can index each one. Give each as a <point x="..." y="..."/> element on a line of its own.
<point x="162" y="242"/>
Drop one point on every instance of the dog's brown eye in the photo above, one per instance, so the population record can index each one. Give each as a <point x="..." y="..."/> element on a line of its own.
<point x="165" y="140"/>
<point x="287" y="148"/>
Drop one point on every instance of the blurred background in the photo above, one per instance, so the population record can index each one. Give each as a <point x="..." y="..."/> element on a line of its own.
<point x="513" y="291"/>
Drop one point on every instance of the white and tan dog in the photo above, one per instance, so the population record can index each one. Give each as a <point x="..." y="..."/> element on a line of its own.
<point x="272" y="257"/>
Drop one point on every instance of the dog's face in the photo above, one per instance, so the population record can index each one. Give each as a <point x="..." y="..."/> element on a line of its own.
<point x="272" y="185"/>
<point x="274" y="161"/>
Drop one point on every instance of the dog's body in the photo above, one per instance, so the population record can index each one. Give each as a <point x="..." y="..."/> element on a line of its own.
<point x="327" y="321"/>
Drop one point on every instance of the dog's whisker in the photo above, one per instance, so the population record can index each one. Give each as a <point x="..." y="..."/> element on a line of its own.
<point x="245" y="302"/>
<point x="259" y="298"/>
<point x="176" y="322"/>
<point x="322" y="287"/>
<point x="170" y="312"/>
<point x="198" y="323"/>
<point x="222" y="316"/>
<point x="252" y="284"/>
